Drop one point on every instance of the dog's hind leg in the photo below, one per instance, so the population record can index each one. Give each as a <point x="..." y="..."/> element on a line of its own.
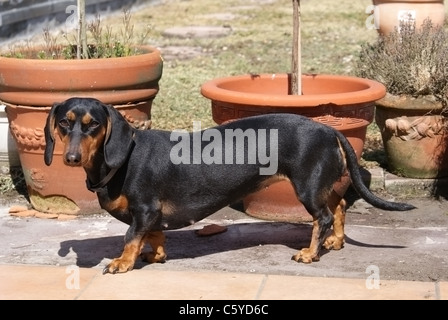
<point x="156" y="240"/>
<point x="323" y="219"/>
<point x="335" y="241"/>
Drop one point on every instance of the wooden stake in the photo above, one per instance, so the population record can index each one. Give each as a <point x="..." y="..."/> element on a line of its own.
<point x="82" y="51"/>
<point x="296" y="74"/>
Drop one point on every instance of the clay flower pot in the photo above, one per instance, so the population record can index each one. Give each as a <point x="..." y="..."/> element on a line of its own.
<point x="415" y="136"/>
<point x="389" y="13"/>
<point x="29" y="87"/>
<point x="344" y="103"/>
<point x="40" y="82"/>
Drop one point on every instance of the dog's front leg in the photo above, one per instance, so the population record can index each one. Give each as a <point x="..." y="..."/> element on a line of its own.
<point x="127" y="259"/>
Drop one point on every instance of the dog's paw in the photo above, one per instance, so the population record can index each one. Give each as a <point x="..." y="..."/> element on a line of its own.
<point x="333" y="243"/>
<point x="152" y="257"/>
<point x="118" y="265"/>
<point x="305" y="255"/>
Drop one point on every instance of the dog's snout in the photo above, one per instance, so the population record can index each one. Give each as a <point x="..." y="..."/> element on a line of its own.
<point x="73" y="158"/>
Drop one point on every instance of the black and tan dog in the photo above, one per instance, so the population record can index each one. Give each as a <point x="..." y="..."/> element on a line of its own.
<point x="147" y="180"/>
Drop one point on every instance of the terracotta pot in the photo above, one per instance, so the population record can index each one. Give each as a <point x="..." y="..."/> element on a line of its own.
<point x="34" y="82"/>
<point x="342" y="102"/>
<point x="29" y="88"/>
<point x="415" y="136"/>
<point x="388" y="14"/>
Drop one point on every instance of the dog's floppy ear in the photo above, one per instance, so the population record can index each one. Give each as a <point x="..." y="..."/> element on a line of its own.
<point x="49" y="134"/>
<point x="118" y="142"/>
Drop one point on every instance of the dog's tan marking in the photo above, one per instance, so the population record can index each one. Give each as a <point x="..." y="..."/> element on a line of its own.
<point x="337" y="205"/>
<point x="272" y="179"/>
<point x="127" y="259"/>
<point x="120" y="204"/>
<point x="344" y="156"/>
<point x="156" y="240"/>
<point x="65" y="140"/>
<point x="166" y="207"/>
<point x="70" y="115"/>
<point x="90" y="147"/>
<point x="308" y="255"/>
<point x="86" y="119"/>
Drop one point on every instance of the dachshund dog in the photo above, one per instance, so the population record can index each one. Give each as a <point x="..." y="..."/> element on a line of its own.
<point x="156" y="180"/>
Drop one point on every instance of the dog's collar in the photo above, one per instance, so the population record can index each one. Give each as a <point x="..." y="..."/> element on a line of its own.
<point x="100" y="185"/>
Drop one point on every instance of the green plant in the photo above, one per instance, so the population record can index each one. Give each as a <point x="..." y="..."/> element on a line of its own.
<point x="103" y="42"/>
<point x="409" y="61"/>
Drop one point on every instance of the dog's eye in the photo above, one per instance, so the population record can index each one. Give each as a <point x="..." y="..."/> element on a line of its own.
<point x="93" y="124"/>
<point x="64" y="123"/>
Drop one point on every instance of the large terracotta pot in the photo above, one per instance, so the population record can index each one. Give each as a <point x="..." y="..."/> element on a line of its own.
<point x="29" y="88"/>
<point x="389" y="13"/>
<point x="415" y="136"/>
<point x="40" y="83"/>
<point x="342" y="102"/>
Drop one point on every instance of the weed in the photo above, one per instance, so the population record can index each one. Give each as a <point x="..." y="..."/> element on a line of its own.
<point x="103" y="42"/>
<point x="411" y="61"/>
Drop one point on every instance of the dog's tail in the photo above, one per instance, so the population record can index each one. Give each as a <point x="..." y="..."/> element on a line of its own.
<point x="360" y="187"/>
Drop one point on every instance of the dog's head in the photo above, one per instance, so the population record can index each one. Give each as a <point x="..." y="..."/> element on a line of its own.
<point x="86" y="126"/>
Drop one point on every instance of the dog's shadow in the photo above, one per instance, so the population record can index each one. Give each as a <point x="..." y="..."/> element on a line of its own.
<point x="186" y="244"/>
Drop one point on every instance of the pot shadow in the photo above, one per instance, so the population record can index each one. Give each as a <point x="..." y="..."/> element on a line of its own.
<point x="185" y="244"/>
<point x="18" y="180"/>
<point x="440" y="186"/>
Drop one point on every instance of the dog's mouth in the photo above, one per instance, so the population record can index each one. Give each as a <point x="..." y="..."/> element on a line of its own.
<point x="72" y="164"/>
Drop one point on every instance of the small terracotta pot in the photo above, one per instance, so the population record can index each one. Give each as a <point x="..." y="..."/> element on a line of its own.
<point x="342" y="102"/>
<point x="415" y="136"/>
<point x="389" y="13"/>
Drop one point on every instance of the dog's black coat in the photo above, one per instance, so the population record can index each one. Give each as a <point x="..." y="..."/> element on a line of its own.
<point x="136" y="181"/>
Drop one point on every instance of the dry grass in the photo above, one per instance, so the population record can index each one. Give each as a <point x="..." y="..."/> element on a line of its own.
<point x="260" y="41"/>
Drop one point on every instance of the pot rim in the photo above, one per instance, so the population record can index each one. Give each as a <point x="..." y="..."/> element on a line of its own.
<point x="407" y="102"/>
<point x="39" y="63"/>
<point x="112" y="80"/>
<point x="366" y="90"/>
<point x="376" y="2"/>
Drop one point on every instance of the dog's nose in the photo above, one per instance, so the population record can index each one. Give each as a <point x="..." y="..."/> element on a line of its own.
<point x="73" y="158"/>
